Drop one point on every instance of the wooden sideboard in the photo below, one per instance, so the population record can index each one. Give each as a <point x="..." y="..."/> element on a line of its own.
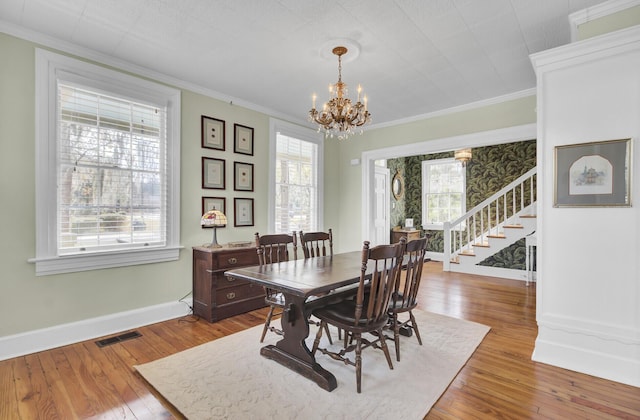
<point x="405" y="233"/>
<point x="215" y="296"/>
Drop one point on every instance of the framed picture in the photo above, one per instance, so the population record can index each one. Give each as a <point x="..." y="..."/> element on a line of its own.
<point x="242" y="176"/>
<point x="213" y="136"/>
<point x="210" y="203"/>
<point x="243" y="212"/>
<point x="594" y="174"/>
<point x="243" y="139"/>
<point x="213" y="171"/>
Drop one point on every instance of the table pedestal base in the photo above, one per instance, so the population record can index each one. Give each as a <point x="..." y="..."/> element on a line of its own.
<point x="313" y="371"/>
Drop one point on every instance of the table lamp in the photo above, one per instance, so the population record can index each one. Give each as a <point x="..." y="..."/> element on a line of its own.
<point x="216" y="219"/>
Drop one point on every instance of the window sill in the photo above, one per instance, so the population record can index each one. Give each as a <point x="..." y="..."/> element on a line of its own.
<point x="74" y="263"/>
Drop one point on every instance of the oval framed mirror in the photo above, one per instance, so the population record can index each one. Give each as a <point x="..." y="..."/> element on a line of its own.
<point x="397" y="185"/>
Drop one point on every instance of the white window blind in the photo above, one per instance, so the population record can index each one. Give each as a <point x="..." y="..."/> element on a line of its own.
<point x="296" y="185"/>
<point x="107" y="168"/>
<point x="111" y="157"/>
<point x="443" y="192"/>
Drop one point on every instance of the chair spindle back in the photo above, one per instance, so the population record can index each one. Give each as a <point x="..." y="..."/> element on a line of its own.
<point x="406" y="292"/>
<point x="275" y="248"/>
<point x="314" y="244"/>
<point x="374" y="292"/>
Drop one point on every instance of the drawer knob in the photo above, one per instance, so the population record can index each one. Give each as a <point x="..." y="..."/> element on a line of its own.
<point x="231" y="295"/>
<point x="233" y="261"/>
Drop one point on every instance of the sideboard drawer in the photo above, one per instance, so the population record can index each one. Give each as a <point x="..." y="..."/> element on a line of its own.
<point x="229" y="260"/>
<point x="220" y="281"/>
<point x="238" y="293"/>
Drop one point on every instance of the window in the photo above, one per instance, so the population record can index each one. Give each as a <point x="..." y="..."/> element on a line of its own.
<point x="296" y="174"/>
<point x="443" y="192"/>
<point x="108" y="166"/>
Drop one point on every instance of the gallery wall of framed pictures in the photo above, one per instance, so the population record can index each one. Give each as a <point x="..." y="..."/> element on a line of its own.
<point x="215" y="167"/>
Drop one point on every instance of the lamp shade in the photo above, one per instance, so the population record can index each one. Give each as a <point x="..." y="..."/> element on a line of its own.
<point x="463" y="155"/>
<point x="213" y="218"/>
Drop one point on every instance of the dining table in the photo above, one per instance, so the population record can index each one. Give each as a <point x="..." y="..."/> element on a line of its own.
<point x="305" y="284"/>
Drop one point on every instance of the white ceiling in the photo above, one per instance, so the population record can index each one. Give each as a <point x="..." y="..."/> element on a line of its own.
<point x="416" y="56"/>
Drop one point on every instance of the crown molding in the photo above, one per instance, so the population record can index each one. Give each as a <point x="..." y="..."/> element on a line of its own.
<point x="122" y="65"/>
<point x="596" y="12"/>
<point x="453" y="110"/>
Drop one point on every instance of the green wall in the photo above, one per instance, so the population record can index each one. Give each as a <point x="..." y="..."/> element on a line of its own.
<point x="620" y="20"/>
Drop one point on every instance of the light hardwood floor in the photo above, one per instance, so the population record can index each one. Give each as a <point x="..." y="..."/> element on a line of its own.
<point x="499" y="381"/>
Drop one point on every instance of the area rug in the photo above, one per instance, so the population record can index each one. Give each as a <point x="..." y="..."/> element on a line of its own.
<point x="228" y="379"/>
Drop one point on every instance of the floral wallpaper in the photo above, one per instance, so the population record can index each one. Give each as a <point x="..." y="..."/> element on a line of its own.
<point x="490" y="169"/>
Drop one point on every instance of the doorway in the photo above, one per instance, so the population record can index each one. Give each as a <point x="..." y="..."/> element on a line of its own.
<point x="485" y="138"/>
<point x="381" y="204"/>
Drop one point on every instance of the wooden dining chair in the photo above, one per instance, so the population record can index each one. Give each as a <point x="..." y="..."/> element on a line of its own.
<point x="405" y="296"/>
<point x="315" y="244"/>
<point x="274" y="249"/>
<point x="368" y="312"/>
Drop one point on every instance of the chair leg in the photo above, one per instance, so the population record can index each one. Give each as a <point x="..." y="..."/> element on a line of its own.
<point x="316" y="342"/>
<point x="358" y="362"/>
<point x="385" y="348"/>
<point x="267" y="322"/>
<point x="396" y="335"/>
<point x="348" y="339"/>
<point x="414" y="325"/>
<point x="326" y="329"/>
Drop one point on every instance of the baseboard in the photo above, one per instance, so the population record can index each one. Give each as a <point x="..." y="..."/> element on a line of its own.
<point x="595" y="355"/>
<point x="62" y="335"/>
<point x="481" y="270"/>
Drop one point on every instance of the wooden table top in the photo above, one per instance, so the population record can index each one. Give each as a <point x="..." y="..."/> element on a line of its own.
<point x="305" y="277"/>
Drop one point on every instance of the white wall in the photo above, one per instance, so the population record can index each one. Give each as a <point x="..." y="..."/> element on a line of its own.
<point x="589" y="267"/>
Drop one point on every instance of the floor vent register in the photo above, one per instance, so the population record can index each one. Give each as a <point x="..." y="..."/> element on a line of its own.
<point x="118" y="338"/>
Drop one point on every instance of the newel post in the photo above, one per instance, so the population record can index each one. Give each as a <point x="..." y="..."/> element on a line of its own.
<point x="446" y="258"/>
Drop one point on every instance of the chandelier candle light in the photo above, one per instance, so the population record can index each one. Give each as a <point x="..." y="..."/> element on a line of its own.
<point x="217" y="219"/>
<point x="339" y="117"/>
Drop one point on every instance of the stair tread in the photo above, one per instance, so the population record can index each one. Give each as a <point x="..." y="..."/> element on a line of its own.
<point x="513" y="227"/>
<point x="468" y="253"/>
<point x="529" y="216"/>
<point x="498" y="236"/>
<point x="482" y="245"/>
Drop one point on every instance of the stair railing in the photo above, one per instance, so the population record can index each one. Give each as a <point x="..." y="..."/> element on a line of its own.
<point x="488" y="218"/>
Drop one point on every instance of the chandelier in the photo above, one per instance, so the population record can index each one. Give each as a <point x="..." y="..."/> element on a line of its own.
<point x="339" y="117"/>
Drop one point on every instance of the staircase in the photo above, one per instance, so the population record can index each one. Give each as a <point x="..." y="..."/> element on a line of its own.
<point x="504" y="218"/>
